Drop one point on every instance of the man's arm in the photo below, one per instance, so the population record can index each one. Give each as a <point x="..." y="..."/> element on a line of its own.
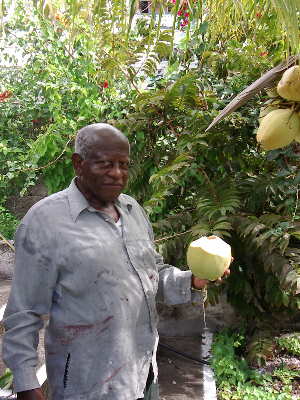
<point x="176" y="286"/>
<point x="34" y="280"/>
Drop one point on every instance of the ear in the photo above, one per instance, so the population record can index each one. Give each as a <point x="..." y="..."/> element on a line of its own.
<point x="77" y="163"/>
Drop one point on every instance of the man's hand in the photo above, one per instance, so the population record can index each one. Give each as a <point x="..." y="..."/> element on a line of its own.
<point x="198" y="283"/>
<point x="34" y="394"/>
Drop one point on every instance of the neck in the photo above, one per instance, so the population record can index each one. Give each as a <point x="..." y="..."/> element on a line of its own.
<point x="92" y="200"/>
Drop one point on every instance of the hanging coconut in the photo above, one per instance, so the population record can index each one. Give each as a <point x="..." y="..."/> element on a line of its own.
<point x="278" y="129"/>
<point x="289" y="85"/>
<point x="297" y="137"/>
<point x="265" y="110"/>
<point x="209" y="257"/>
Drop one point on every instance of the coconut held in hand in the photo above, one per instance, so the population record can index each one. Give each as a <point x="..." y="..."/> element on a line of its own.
<point x="209" y="257"/>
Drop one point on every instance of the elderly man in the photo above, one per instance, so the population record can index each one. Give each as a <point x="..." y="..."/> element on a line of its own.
<point x="85" y="257"/>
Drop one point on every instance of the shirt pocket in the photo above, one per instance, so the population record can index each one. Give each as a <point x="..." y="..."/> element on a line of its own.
<point x="89" y="264"/>
<point x="141" y="253"/>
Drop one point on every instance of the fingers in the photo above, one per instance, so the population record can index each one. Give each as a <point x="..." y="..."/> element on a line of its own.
<point x="199" y="283"/>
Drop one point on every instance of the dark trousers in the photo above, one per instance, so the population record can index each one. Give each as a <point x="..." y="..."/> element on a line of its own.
<point x="151" y="390"/>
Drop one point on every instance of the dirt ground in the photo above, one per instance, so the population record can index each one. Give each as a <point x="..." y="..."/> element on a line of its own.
<point x="179" y="378"/>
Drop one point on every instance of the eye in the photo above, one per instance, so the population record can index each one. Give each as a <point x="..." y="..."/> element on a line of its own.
<point x="124" y="165"/>
<point x="104" y="164"/>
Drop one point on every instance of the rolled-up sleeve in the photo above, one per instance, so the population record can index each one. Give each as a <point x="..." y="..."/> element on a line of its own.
<point x="30" y="297"/>
<point x="174" y="286"/>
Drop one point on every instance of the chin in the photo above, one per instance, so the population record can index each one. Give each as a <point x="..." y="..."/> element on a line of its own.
<point x="109" y="197"/>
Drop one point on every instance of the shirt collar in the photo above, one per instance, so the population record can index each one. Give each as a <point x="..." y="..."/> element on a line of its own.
<point x="78" y="202"/>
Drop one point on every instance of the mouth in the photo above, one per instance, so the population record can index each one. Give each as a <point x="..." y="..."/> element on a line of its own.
<point x="113" y="185"/>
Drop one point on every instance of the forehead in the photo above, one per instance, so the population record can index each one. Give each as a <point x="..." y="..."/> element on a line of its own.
<point x="105" y="151"/>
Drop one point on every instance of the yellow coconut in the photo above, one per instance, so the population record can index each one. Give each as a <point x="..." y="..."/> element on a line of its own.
<point x="297" y="136"/>
<point x="265" y="110"/>
<point x="289" y="85"/>
<point x="278" y="129"/>
<point x="209" y="257"/>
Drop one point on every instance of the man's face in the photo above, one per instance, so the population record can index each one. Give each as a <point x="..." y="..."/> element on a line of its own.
<point x="103" y="174"/>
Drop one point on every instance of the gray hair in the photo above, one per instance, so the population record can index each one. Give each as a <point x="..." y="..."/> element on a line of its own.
<point x="89" y="134"/>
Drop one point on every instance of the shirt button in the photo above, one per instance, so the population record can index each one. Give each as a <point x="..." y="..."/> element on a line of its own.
<point x="148" y="353"/>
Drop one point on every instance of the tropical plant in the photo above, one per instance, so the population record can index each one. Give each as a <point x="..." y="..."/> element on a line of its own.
<point x="6" y="379"/>
<point x="267" y="277"/>
<point x="235" y="377"/>
<point x="290" y="342"/>
<point x="97" y="61"/>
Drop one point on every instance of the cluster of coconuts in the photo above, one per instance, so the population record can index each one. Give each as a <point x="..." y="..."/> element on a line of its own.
<point x="280" y="117"/>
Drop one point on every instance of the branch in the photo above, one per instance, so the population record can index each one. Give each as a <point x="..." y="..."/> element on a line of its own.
<point x="7" y="242"/>
<point x="51" y="162"/>
<point x="171" y="237"/>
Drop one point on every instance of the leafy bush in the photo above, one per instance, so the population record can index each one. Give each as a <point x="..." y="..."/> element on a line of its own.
<point x="191" y="182"/>
<point x="236" y="380"/>
<point x="8" y="223"/>
<point x="6" y="379"/>
<point x="290" y="343"/>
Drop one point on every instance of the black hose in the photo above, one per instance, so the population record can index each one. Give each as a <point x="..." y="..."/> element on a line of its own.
<point x="199" y="360"/>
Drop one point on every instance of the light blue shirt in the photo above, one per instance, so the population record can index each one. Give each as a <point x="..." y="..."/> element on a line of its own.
<point x="99" y="289"/>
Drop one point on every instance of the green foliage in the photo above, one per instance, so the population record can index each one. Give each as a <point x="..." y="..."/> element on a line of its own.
<point x="290" y="343"/>
<point x="222" y="179"/>
<point x="8" y="223"/>
<point x="286" y="375"/>
<point x="54" y="94"/>
<point x="267" y="277"/>
<point x="88" y="62"/>
<point x="6" y="379"/>
<point x="225" y="363"/>
<point x="261" y="348"/>
<point x="236" y="380"/>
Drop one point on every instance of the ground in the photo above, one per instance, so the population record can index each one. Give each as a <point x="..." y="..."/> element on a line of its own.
<point x="180" y="378"/>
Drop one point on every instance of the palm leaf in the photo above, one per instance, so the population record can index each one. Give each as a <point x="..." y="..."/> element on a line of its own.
<point x="288" y="13"/>
<point x="265" y="81"/>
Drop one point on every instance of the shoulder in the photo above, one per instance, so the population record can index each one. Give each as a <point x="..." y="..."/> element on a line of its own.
<point x="136" y="211"/>
<point x="48" y="208"/>
<point x="126" y="200"/>
<point x="132" y="205"/>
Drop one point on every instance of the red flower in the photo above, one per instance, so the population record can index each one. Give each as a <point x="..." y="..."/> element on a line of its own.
<point x="105" y="84"/>
<point x="5" y="95"/>
<point x="264" y="53"/>
<point x="184" y="23"/>
<point x="258" y="15"/>
<point x="186" y="14"/>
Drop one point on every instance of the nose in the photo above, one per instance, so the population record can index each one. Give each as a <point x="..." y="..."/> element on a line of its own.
<point x="115" y="171"/>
